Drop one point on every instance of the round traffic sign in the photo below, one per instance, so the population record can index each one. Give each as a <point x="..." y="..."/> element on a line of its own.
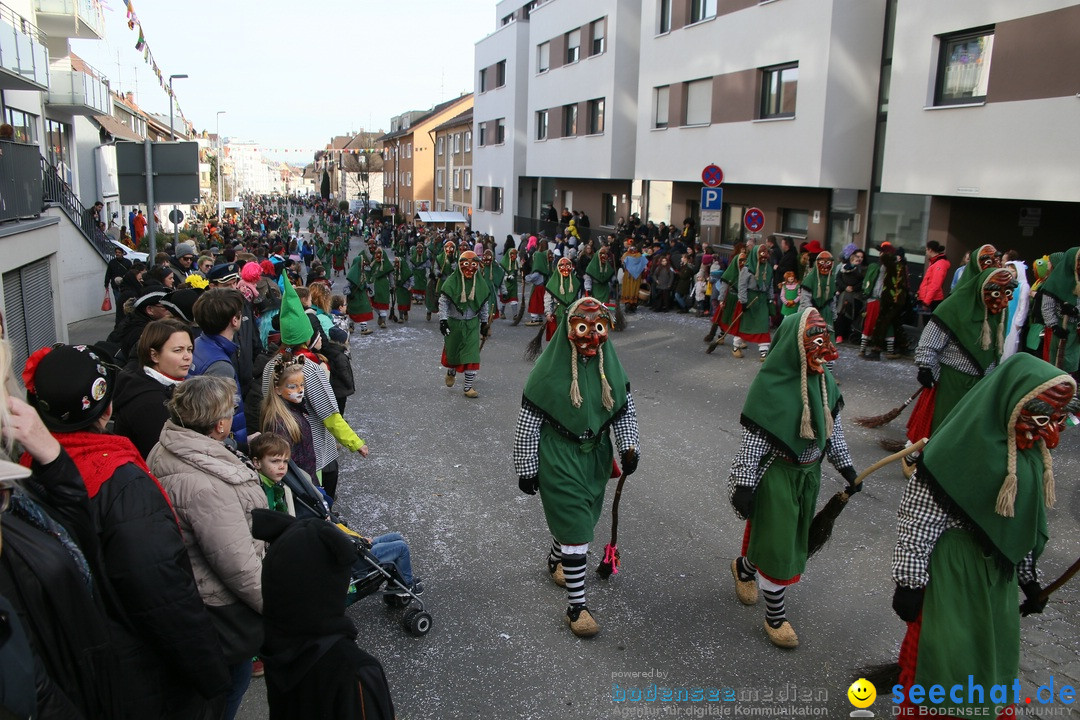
<point x="754" y="219"/>
<point x="712" y="176"/>
<point x="176" y="216"/>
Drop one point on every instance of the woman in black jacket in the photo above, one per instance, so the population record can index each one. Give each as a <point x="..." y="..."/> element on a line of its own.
<point x="789" y="260"/>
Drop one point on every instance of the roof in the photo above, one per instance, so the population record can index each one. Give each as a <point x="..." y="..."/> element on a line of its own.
<point x="117" y="129"/>
<point x="431" y="113"/>
<point x="464" y="118"/>
<point x="441" y="217"/>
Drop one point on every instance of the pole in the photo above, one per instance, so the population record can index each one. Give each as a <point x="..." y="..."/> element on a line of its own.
<point x="151" y="229"/>
<point x="219" y="167"/>
<point x="172" y="137"/>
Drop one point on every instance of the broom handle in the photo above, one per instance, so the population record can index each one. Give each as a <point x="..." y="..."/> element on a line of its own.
<point x="914" y="447"/>
<point x="1065" y="577"/>
<point x="615" y="510"/>
<point x="734" y="320"/>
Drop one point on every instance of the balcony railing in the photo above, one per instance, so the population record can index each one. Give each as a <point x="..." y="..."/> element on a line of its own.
<point x="21" y="193"/>
<point x="24" y="58"/>
<point x="82" y="19"/>
<point x="79" y="92"/>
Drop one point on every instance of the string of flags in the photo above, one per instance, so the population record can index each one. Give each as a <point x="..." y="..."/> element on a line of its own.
<point x="148" y="57"/>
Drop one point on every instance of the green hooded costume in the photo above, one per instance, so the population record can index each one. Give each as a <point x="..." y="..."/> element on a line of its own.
<point x="564" y="291"/>
<point x="971" y="270"/>
<point x="511" y="270"/>
<point x="380" y="278"/>
<point x="468" y="295"/>
<point x="970" y="624"/>
<point x="821" y="289"/>
<point x="1064" y="286"/>
<point x="358" y="305"/>
<point x="402" y="276"/>
<point x="493" y="274"/>
<point x="964" y="318"/>
<point x="754" y="323"/>
<point x="727" y="308"/>
<point x="573" y="472"/>
<point x="419" y="264"/>
<point x="601" y="275"/>
<point x="792" y="416"/>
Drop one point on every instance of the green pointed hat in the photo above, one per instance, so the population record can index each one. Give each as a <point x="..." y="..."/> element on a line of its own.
<point x="295" y="326"/>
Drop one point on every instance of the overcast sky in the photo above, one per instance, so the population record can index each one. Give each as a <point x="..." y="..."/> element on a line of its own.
<point x="293" y="74"/>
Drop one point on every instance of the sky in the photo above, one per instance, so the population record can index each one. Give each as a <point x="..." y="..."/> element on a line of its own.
<point x="290" y="75"/>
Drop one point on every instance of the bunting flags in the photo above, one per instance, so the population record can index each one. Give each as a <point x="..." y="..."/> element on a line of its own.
<point x="148" y="57"/>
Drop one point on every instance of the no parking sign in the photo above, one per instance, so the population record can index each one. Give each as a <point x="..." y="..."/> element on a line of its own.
<point x="754" y="219"/>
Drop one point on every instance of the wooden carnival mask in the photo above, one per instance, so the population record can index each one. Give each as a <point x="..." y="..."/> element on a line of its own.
<point x="817" y="344"/>
<point x="588" y="326"/>
<point x="1043" y="417"/>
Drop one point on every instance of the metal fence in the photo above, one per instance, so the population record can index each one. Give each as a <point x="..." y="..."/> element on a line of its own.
<point x="58" y="192"/>
<point x="535" y="226"/>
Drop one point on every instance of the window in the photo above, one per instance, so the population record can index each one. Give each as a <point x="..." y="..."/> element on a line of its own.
<point x="964" y="67"/>
<point x="483" y="136"/>
<point x="483" y="80"/>
<point x="573" y="46"/>
<point x="408" y="179"/>
<point x="607" y="209"/>
<point x="468" y="179"/>
<point x="541" y="124"/>
<point x="778" y="87"/>
<point x="665" y="16"/>
<point x="408" y="150"/>
<point x="439" y="145"/>
<point x="496" y="199"/>
<point x="457" y="143"/>
<point x="699" y="102"/>
<point x="500" y="131"/>
<point x="500" y="73"/>
<point x="25" y="125"/>
<point x="481" y="199"/>
<point x="733" y="230"/>
<point x="543" y="57"/>
<point x="597" y="37"/>
<point x="596" y="116"/>
<point x="569" y="124"/>
<point x="795" y="222"/>
<point x="702" y="10"/>
<point x="662" y="96"/>
<point x="439" y="178"/>
<point x="457" y="179"/>
<point x="468" y="141"/>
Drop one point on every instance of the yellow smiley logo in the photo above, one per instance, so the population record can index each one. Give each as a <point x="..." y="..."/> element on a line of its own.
<point x="862" y="693"/>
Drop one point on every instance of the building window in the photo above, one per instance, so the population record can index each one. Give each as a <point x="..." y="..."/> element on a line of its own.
<point x="733" y="230"/>
<point x="596" y="116"/>
<point x="794" y="222"/>
<point x="699" y="102"/>
<point x="438" y="178"/>
<point x="457" y="179"/>
<point x="439" y="145"/>
<point x="607" y="209"/>
<point x="468" y="141"/>
<point x="408" y="179"/>
<point x="665" y="16"/>
<point x="702" y="10"/>
<point x="57" y="135"/>
<point x="541" y="124"/>
<point x="597" y="37"/>
<point x="408" y="150"/>
<point x="25" y="125"/>
<point x="569" y="125"/>
<point x="500" y="131"/>
<point x="496" y="199"/>
<point x="778" y="89"/>
<point x="662" y="96"/>
<point x="964" y="67"/>
<point x="483" y="136"/>
<point x="500" y="73"/>
<point x="457" y="143"/>
<point x="483" y="80"/>
<point x="573" y="46"/>
<point x="468" y="179"/>
<point x="543" y="57"/>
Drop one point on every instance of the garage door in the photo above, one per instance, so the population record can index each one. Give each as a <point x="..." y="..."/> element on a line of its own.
<point x="29" y="320"/>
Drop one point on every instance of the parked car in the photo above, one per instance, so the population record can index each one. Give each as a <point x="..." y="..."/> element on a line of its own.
<point x="130" y="254"/>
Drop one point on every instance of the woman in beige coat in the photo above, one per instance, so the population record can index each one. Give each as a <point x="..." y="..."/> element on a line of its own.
<point x="214" y="489"/>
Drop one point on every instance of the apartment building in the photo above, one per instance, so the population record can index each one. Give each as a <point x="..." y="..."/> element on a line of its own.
<point x="453" y="166"/>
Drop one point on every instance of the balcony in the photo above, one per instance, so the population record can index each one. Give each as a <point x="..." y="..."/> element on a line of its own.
<point x="21" y="190"/>
<point x="79" y="93"/>
<point x="82" y="19"/>
<point x="24" y="59"/>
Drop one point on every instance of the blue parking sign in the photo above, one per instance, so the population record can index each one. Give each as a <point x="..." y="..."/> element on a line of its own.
<point x="712" y="198"/>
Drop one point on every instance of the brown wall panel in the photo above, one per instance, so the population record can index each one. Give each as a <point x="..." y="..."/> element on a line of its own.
<point x="680" y="13"/>
<point x="725" y="7"/>
<point x="558" y="51"/>
<point x="677" y="105"/>
<point x="1036" y="57"/>
<point x="734" y="96"/>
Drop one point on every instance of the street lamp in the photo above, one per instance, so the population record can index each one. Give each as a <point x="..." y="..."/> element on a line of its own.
<point x="219" y="205"/>
<point x="172" y="136"/>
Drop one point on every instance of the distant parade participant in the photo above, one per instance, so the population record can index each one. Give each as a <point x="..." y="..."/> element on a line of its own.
<point x="464" y="308"/>
<point x="820" y="287"/>
<point x="494" y="274"/>
<point x="973" y="519"/>
<point x="634" y="264"/>
<point x="984" y="258"/>
<point x="443" y="265"/>
<point x="1061" y="311"/>
<point x="562" y="291"/>
<point x="339" y="254"/>
<point x="598" y="275"/>
<point x="791" y="420"/>
<point x="512" y="271"/>
<point x="403" y="280"/>
<point x="790" y="295"/>
<point x="380" y="276"/>
<point x="755" y="302"/>
<point x="419" y="264"/>
<point x="727" y="316"/>
<point x="359" y="303"/>
<point x="539" y="272"/>
<point x="887" y="294"/>
<point x="575" y="394"/>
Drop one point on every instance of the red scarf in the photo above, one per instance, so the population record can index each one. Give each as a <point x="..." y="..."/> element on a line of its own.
<point x="98" y="456"/>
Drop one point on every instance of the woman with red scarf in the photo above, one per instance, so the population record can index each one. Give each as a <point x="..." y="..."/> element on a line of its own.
<point x="177" y="670"/>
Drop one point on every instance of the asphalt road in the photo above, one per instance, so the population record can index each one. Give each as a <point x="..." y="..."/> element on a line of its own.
<point x="440" y="472"/>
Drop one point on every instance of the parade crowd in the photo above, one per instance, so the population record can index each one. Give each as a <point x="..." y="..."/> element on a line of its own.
<point x="149" y="470"/>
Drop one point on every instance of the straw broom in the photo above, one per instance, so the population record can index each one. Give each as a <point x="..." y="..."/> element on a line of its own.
<point x="822" y="526"/>
<point x="876" y="421"/>
<point x="610" y="564"/>
<point x="723" y="333"/>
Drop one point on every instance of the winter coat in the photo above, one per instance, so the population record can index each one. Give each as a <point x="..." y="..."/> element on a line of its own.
<point x="213" y="493"/>
<point x="139" y="410"/>
<point x="217" y="355"/>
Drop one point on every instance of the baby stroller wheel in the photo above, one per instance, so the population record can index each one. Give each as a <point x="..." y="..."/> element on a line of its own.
<point x="417" y="622"/>
<point x="396" y="601"/>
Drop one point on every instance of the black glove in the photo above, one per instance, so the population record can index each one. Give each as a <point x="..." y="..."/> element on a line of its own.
<point x="926" y="377"/>
<point x="1061" y="332"/>
<point x="484" y="328"/>
<point x="444" y="327"/>
<point x="907" y="602"/>
<point x="629" y="461"/>
<point x="743" y="500"/>
<point x="529" y="485"/>
<point x="1033" y="603"/>
<point x="849" y="474"/>
<point x="1070" y="309"/>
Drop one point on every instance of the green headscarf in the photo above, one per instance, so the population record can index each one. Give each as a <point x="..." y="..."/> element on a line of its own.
<point x="510" y="267"/>
<point x="357" y="274"/>
<point x="783" y="401"/>
<point x="731" y="272"/>
<point x="974" y="460"/>
<point x="550" y="384"/>
<point x="971" y="270"/>
<point x="540" y="263"/>
<point x="963" y="314"/>
<point x="762" y="271"/>
<point x="822" y="288"/>
<point x="1063" y="283"/>
<point x="295" y="326"/>
<point x="466" y="294"/>
<point x="600" y="273"/>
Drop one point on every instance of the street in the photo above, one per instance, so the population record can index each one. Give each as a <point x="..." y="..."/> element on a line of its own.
<point x="441" y="473"/>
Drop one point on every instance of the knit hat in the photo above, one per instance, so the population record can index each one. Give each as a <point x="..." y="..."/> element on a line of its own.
<point x="184" y="249"/>
<point x="295" y="326"/>
<point x="69" y="385"/>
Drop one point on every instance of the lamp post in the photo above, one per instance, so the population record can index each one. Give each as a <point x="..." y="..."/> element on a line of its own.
<point x="219" y="165"/>
<point x="172" y="137"/>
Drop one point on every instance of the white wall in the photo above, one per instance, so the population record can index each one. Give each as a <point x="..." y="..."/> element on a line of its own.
<point x="1023" y="149"/>
<point x="81" y="272"/>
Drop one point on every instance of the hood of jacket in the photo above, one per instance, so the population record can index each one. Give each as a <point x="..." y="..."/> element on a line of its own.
<point x="202" y="454"/>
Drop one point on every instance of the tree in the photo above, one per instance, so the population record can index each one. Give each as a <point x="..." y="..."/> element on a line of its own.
<point x="324" y="188"/>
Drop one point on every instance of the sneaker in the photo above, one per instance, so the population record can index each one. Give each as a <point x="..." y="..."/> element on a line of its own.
<point x="471" y="393"/>
<point x="257" y="669"/>
<point x="783" y="636"/>
<point x="745" y="590"/>
<point x="417" y="587"/>
<point x="581" y="621"/>
<point x="450" y="380"/>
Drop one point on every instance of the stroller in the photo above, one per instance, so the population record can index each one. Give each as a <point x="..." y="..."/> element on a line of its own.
<point x="369" y="576"/>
